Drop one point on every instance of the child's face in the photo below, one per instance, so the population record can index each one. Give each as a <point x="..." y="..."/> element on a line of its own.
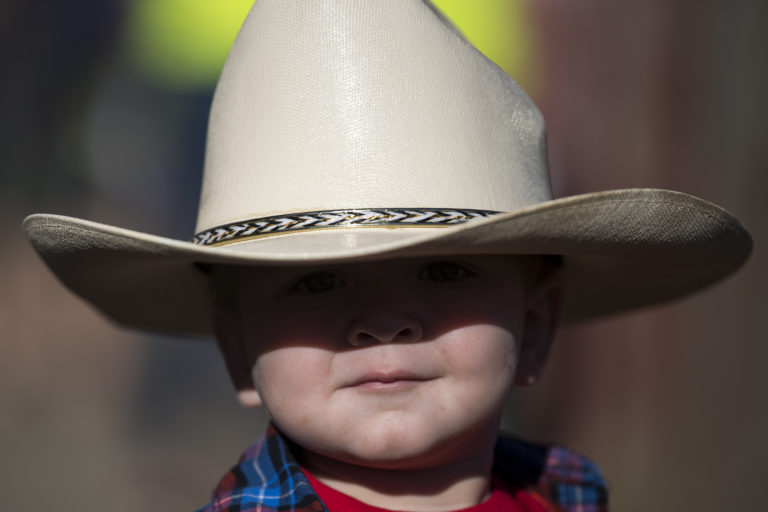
<point x="393" y="364"/>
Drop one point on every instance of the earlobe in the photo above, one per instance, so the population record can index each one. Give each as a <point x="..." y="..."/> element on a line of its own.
<point x="539" y="327"/>
<point x="231" y="344"/>
<point x="249" y="398"/>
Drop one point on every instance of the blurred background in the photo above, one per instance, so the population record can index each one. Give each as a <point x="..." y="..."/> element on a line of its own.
<point x="103" y="111"/>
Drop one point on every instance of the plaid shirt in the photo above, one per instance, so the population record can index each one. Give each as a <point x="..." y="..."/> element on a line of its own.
<point x="268" y="479"/>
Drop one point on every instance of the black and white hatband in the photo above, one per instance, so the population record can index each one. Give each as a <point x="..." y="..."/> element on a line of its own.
<point x="325" y="219"/>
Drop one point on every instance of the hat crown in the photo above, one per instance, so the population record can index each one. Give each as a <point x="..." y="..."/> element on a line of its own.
<point x="338" y="104"/>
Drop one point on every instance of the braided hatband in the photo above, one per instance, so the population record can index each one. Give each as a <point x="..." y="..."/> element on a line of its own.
<point x="378" y="217"/>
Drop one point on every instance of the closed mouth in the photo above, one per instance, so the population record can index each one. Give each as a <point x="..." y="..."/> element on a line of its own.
<point x="386" y="380"/>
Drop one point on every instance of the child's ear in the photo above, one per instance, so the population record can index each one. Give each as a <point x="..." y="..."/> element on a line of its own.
<point x="539" y="325"/>
<point x="229" y="338"/>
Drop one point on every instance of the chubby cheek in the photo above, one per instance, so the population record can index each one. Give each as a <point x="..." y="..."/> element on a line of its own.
<point x="290" y="359"/>
<point x="483" y="337"/>
<point x="484" y="358"/>
<point x="284" y="373"/>
<point x="288" y="381"/>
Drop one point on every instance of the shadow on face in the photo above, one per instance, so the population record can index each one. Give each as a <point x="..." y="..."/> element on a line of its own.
<point x="351" y="307"/>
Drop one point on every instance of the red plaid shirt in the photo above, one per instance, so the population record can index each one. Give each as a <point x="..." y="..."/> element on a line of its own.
<point x="268" y="479"/>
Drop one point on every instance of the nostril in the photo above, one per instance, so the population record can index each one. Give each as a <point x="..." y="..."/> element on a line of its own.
<point x="363" y="338"/>
<point x="410" y="333"/>
<point x="405" y="334"/>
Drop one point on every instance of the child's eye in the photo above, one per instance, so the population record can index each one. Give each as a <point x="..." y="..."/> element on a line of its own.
<point x="444" y="272"/>
<point x="318" y="282"/>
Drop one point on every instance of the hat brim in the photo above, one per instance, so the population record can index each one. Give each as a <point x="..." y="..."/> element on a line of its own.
<point x="621" y="250"/>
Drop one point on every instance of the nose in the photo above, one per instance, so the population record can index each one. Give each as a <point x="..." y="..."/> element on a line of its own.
<point x="383" y="327"/>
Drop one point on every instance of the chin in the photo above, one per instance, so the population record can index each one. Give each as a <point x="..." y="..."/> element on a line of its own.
<point x="400" y="449"/>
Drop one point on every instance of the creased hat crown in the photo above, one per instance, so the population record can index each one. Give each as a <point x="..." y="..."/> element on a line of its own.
<point x="326" y="105"/>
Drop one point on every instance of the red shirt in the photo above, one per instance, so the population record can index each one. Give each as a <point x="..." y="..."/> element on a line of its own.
<point x="501" y="500"/>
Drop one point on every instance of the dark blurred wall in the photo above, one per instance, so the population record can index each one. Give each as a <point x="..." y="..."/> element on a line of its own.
<point x="50" y="55"/>
<point x="93" y="417"/>
<point x="664" y="94"/>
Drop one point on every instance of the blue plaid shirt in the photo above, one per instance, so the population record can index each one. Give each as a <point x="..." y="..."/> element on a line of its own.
<point x="268" y="479"/>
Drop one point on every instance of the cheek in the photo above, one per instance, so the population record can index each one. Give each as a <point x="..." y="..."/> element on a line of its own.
<point x="287" y="379"/>
<point x="485" y="356"/>
<point x="485" y="335"/>
<point x="292" y="385"/>
<point x="275" y="372"/>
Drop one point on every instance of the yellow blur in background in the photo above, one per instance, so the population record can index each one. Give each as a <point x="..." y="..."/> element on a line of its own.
<point x="182" y="44"/>
<point x="501" y="29"/>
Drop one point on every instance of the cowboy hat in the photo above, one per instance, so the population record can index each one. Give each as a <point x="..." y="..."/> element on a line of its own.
<point x="356" y="130"/>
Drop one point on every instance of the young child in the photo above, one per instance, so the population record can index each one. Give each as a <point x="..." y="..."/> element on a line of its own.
<point x="380" y="260"/>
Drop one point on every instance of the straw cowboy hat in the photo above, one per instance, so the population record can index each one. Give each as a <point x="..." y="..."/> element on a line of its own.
<point x="351" y="130"/>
